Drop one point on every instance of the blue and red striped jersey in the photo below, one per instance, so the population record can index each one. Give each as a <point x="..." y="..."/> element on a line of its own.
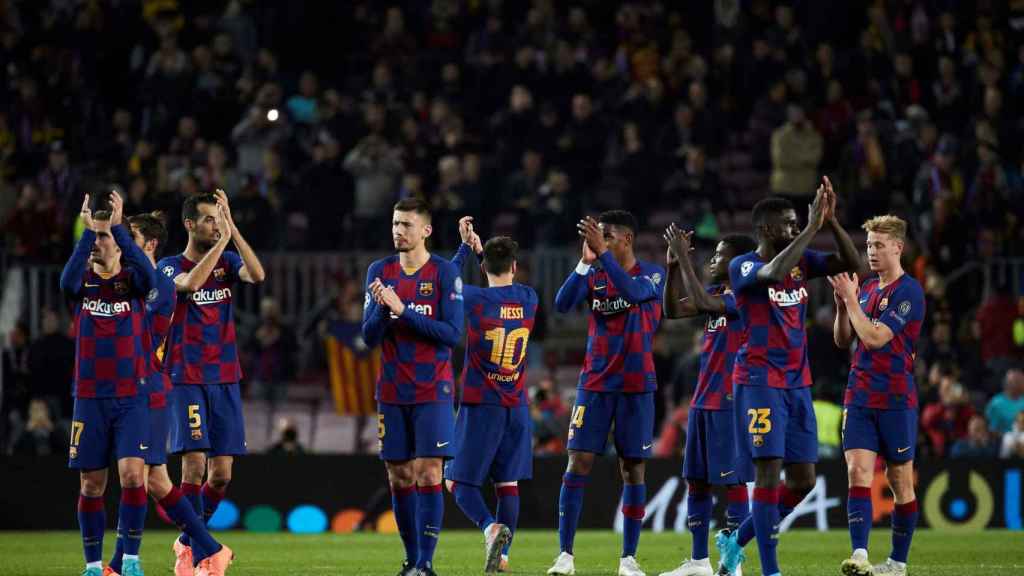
<point x="416" y="347"/>
<point x="159" y="310"/>
<point x="774" y="352"/>
<point x="201" y="345"/>
<point x="884" y="378"/>
<point x="625" y="310"/>
<point x="499" y="321"/>
<point x="723" y="334"/>
<point x="112" y="339"/>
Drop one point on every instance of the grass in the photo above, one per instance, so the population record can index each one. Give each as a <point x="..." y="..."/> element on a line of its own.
<point x="802" y="553"/>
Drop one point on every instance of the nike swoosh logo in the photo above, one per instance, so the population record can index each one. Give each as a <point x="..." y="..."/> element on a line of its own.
<point x="902" y="450"/>
<point x="143" y="447"/>
<point x="647" y="446"/>
<point x="87" y="285"/>
<point x="724" y="474"/>
<point x="601" y="287"/>
<point x="442" y="444"/>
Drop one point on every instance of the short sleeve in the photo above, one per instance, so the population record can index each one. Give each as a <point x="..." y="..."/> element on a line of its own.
<point x="169" y="268"/>
<point x="743" y="272"/>
<point x="906" y="305"/>
<point x="234" y="262"/>
<point x="815" y="263"/>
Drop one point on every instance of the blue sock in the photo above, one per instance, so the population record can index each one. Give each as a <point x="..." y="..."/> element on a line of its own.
<point x="789" y="500"/>
<point x="92" y="519"/>
<point x="634" y="497"/>
<point x="131" y="517"/>
<point x="508" y="510"/>
<point x="904" y="520"/>
<point x="194" y="495"/>
<point x="430" y="514"/>
<point x="859" y="516"/>
<point x="745" y="533"/>
<point x="738" y="508"/>
<point x="698" y="519"/>
<point x="766" y="526"/>
<point x="471" y="501"/>
<point x="403" y="503"/>
<point x="180" y="511"/>
<point x="116" y="559"/>
<point x="570" y="502"/>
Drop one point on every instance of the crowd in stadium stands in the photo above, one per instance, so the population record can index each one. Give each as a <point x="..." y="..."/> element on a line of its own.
<point x="317" y="117"/>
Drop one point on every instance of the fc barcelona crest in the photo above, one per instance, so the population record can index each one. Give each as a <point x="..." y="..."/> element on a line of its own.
<point x="120" y="287"/>
<point x="883" y="304"/>
<point x="796" y="274"/>
<point x="426" y="288"/>
<point x="218" y="274"/>
<point x="197" y="434"/>
<point x="758" y="440"/>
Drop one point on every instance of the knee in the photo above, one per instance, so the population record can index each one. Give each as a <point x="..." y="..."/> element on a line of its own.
<point x="632" y="471"/>
<point x="580" y="463"/>
<point x="92" y="487"/>
<point x="429" y="474"/>
<point x="401" y="475"/>
<point x="219" y="478"/>
<point x="859" y="474"/>
<point x="131" y="478"/>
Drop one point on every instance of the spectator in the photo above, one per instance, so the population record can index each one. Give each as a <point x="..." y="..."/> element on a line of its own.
<point x="521" y="186"/>
<point x="945" y="421"/>
<point x="41" y="437"/>
<point x="263" y="127"/>
<point x="288" y="440"/>
<point x="977" y="444"/>
<point x="1012" y="446"/>
<point x="796" y="152"/>
<point x="865" y="173"/>
<point x="375" y="165"/>
<point x="31" y="227"/>
<point x="273" y="354"/>
<point x="302" y="107"/>
<point x="1001" y="411"/>
<point x="51" y="358"/>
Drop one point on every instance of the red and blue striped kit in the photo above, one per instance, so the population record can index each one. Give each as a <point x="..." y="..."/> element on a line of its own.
<point x="416" y="348"/>
<point x="884" y="378"/>
<point x="159" y="310"/>
<point x="723" y="334"/>
<point x="201" y="345"/>
<point x="500" y="322"/>
<point x="774" y="352"/>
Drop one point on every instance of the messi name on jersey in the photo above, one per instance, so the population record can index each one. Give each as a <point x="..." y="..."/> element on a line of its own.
<point x="106" y="309"/>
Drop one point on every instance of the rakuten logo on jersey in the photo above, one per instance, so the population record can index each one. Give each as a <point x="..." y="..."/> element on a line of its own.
<point x="203" y="296"/>
<point x="606" y="306"/>
<point x="105" y="309"/>
<point x="786" y="298"/>
<point x="421" y="309"/>
<point x="716" y="324"/>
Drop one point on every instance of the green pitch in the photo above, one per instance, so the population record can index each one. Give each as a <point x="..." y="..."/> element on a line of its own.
<point x="802" y="553"/>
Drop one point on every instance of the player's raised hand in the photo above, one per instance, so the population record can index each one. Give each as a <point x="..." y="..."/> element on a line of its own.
<point x="816" y="212"/>
<point x="86" y="214"/>
<point x="476" y="243"/>
<point x="830" y="214"/>
<point x="116" y="208"/>
<point x="593" y="236"/>
<point x="466" y="229"/>
<point x="678" y="241"/>
<point x="845" y="285"/>
<point x="222" y="223"/>
<point x="222" y="201"/>
<point x="376" y="287"/>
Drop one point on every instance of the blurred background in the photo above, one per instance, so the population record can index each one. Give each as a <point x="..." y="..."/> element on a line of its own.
<point x="316" y="117"/>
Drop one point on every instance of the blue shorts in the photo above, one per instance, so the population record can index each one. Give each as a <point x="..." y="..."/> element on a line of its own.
<point x="105" y="429"/>
<point x="596" y="412"/>
<point x="776" y="423"/>
<point x="492" y="442"/>
<point x="711" y="453"/>
<point x="408" y="431"/>
<point x="158" y="427"/>
<point x="206" y="418"/>
<point x="891" y="433"/>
